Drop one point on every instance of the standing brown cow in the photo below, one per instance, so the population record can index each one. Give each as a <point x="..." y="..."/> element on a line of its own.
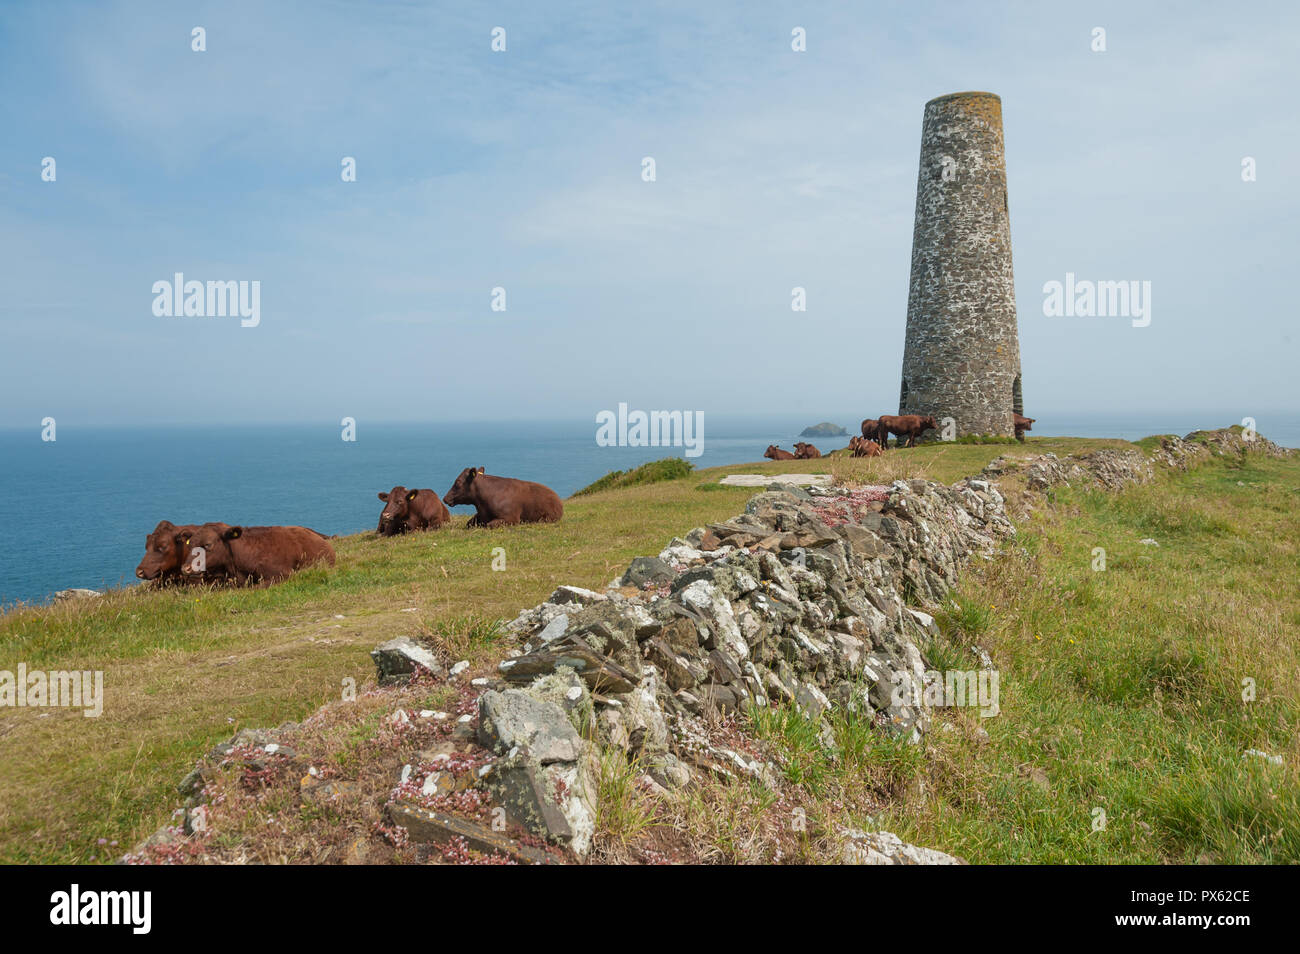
<point x="254" y="554"/>
<point x="1022" y="424"/>
<point x="870" y="429"/>
<point x="804" y="451"/>
<point x="775" y="453"/>
<point x="503" y="501"/>
<point x="411" y="510"/>
<point x="907" y="427"/>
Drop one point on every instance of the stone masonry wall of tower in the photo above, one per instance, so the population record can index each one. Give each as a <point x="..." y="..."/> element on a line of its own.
<point x="961" y="356"/>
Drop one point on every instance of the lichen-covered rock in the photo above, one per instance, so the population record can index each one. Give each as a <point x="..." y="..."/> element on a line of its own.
<point x="886" y="848"/>
<point x="514" y="720"/>
<point x="556" y="800"/>
<point x="399" y="658"/>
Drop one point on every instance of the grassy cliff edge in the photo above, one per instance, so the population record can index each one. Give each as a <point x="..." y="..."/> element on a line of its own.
<point x="1122" y="687"/>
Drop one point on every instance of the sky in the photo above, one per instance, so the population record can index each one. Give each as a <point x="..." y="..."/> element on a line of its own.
<point x="522" y="169"/>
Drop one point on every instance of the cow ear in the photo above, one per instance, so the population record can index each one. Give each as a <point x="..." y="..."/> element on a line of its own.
<point x="411" y="494"/>
<point x="234" y="533"/>
<point x="384" y="496"/>
<point x="482" y="470"/>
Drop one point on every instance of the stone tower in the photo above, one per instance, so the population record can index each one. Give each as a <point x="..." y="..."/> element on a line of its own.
<point x="961" y="358"/>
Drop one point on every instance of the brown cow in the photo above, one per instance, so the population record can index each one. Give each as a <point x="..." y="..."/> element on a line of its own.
<point x="503" y="501"/>
<point x="1022" y="424"/>
<point x="411" y="510"/>
<point x="165" y="551"/>
<point x="254" y="554"/>
<point x="861" y="447"/>
<point x="907" y="427"/>
<point x="775" y="453"/>
<point x="804" y="451"/>
<point x="870" y="429"/>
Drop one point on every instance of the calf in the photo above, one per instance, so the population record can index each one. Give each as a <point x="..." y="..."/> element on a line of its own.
<point x="411" y="510"/>
<point x="804" y="451"/>
<point x="907" y="427"/>
<point x="254" y="554"/>
<point x="1022" y="424"/>
<point x="861" y="447"/>
<point x="165" y="551"/>
<point x="775" y="453"/>
<point x="503" y="501"/>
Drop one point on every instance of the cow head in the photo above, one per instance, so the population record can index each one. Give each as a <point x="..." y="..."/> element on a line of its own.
<point x="163" y="553"/>
<point x="462" y="491"/>
<point x="397" y="508"/>
<point x="928" y="423"/>
<point x="208" y="549"/>
<point x="770" y="452"/>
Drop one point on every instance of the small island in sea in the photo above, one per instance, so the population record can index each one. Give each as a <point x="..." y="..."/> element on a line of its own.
<point x="824" y="429"/>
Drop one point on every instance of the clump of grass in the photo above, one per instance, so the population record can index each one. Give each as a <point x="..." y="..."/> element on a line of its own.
<point x="968" y="619"/>
<point x="670" y="468"/>
<point x="804" y="758"/>
<point x="467" y="636"/>
<point x="623" y="810"/>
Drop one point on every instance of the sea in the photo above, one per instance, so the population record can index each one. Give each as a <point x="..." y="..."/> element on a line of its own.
<point x="74" y="512"/>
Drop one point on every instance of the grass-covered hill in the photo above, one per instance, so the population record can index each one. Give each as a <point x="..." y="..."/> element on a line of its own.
<point x="1121" y="689"/>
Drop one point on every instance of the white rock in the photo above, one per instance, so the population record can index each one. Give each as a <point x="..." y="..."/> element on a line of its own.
<point x="1274" y="759"/>
<point x="576" y="594"/>
<point x="886" y="848"/>
<point x="554" y="629"/>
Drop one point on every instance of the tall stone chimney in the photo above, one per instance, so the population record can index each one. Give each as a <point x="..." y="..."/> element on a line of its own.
<point x="961" y="358"/>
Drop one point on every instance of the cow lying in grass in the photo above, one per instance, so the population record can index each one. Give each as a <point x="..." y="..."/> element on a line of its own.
<point x="1022" y="424"/>
<point x="165" y="552"/>
<point x="503" y="501"/>
<point x="406" y="510"/>
<point x="804" y="451"/>
<point x="775" y="453"/>
<point x="861" y="447"/>
<point x="908" y="428"/>
<point x="259" y="555"/>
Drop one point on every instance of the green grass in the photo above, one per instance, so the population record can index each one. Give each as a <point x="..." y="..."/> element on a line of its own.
<point x="185" y="668"/>
<point x="670" y="468"/>
<point x="1122" y="688"/>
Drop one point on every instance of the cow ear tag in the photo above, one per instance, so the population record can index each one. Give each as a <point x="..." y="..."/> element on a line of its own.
<point x="411" y="495"/>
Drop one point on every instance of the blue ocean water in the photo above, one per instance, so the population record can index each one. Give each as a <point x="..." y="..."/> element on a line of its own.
<point x="75" y="512"/>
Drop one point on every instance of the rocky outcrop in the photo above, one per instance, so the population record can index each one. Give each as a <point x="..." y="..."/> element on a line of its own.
<point x="1197" y="447"/>
<point x="824" y="429"/>
<point x="1114" y="469"/>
